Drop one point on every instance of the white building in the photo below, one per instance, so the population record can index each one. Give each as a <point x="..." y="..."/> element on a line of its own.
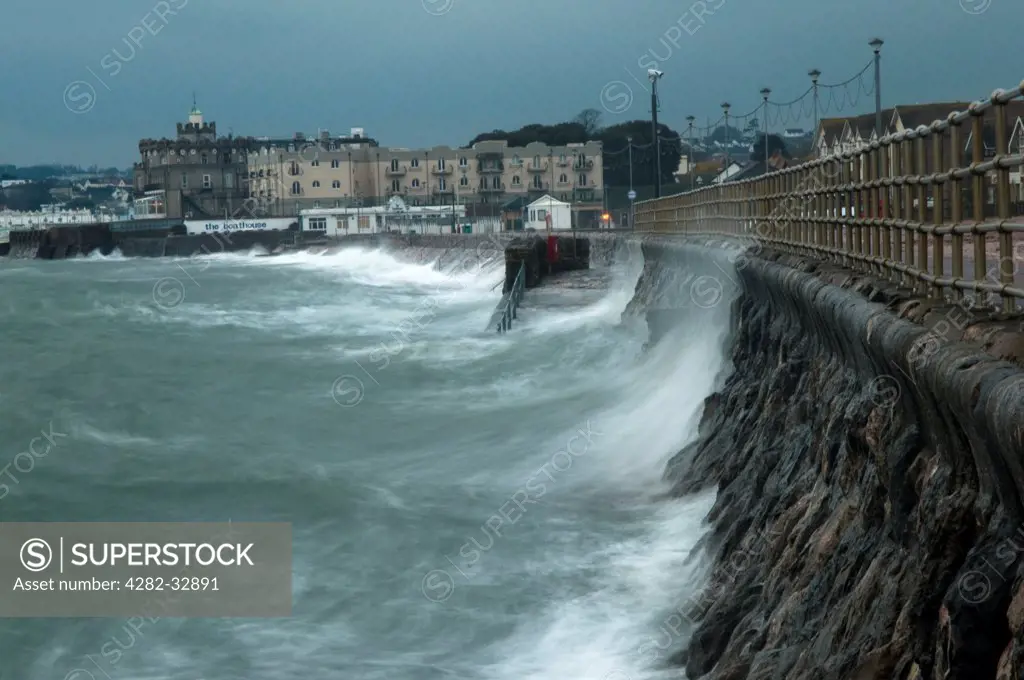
<point x="50" y="216"/>
<point x="396" y="216"/>
<point x="547" y="213"/>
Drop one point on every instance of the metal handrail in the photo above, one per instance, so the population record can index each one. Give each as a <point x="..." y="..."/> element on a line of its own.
<point x="515" y="295"/>
<point x="909" y="207"/>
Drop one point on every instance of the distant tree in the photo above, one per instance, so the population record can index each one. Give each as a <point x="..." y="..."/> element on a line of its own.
<point x="590" y="119"/>
<point x="775" y="144"/>
<point x="719" y="134"/>
<point x="616" y="153"/>
<point x="80" y="202"/>
<point x="28" y="196"/>
<point x="553" y="135"/>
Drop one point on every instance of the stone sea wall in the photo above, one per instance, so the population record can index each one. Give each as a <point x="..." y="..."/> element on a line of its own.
<point x="868" y="452"/>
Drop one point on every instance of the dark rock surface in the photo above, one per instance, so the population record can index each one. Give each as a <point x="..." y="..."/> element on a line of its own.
<point x="868" y="522"/>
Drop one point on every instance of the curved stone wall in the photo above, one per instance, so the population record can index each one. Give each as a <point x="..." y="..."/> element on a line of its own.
<point x="869" y="516"/>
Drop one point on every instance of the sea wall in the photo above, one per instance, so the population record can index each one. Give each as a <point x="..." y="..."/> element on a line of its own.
<point x="58" y="243"/>
<point x="868" y="452"/>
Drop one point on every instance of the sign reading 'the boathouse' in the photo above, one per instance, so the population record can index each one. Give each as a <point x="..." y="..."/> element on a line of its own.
<point x="220" y="226"/>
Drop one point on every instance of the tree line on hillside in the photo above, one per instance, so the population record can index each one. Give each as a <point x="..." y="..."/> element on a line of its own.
<point x="586" y="127"/>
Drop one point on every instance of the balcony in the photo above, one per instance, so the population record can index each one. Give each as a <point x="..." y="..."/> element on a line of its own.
<point x="491" y="189"/>
<point x="543" y="186"/>
<point x="399" y="171"/>
<point x="487" y="168"/>
<point x="446" y="170"/>
<point x="563" y="162"/>
<point x="583" y="165"/>
<point x="561" y="183"/>
<point x="537" y="167"/>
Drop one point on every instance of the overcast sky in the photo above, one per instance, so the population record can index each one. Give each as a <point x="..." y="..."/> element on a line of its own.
<point x="83" y="82"/>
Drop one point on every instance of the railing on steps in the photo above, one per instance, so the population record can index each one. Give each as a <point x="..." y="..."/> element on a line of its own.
<point x="508" y="313"/>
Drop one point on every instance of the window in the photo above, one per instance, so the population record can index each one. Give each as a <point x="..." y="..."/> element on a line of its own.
<point x="463" y="162"/>
<point x="441" y="184"/>
<point x="203" y="159"/>
<point x="483" y="182"/>
<point x="394" y="164"/>
<point x="496" y="182"/>
<point x="536" y="161"/>
<point x="516" y="160"/>
<point x="396" y="185"/>
<point x="364" y="222"/>
<point x="563" y="179"/>
<point x="582" y="180"/>
<point x="296" y="188"/>
<point x="415" y="163"/>
<point x="415" y="184"/>
<point x="440" y="164"/>
<point x="293" y="168"/>
<point x="229" y="181"/>
<point x="335" y="163"/>
<point x="463" y="181"/>
<point x="184" y="181"/>
<point x="561" y="159"/>
<point x="315" y="164"/>
<point x="207" y="182"/>
<point x="318" y="224"/>
<point x="537" y="183"/>
<point x="316" y="184"/>
<point x="316" y="204"/>
<point x="335" y="184"/>
<point x="516" y="181"/>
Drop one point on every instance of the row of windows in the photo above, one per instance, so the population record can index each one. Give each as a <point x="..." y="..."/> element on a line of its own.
<point x="412" y="201"/>
<point x="442" y="185"/>
<point x="442" y="163"/>
<point x="293" y="167"/>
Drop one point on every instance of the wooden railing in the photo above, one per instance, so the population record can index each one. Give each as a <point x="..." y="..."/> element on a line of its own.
<point x="930" y="207"/>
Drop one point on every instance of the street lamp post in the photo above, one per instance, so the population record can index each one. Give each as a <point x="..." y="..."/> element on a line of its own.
<point x="629" y="141"/>
<point x="815" y="74"/>
<point x="876" y="45"/>
<point x="765" y="93"/>
<point x="655" y="75"/>
<point x="689" y="151"/>
<point x="728" y="155"/>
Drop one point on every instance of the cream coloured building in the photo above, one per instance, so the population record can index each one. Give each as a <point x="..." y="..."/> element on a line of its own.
<point x="330" y="172"/>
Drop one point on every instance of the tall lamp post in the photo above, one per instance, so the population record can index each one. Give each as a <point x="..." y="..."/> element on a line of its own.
<point x="815" y="74"/>
<point x="876" y="45"/>
<point x="728" y="155"/>
<point x="629" y="141"/>
<point x="655" y="75"/>
<point x="689" y="151"/>
<point x="765" y="93"/>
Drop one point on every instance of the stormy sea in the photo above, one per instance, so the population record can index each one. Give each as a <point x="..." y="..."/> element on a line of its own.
<point x="464" y="504"/>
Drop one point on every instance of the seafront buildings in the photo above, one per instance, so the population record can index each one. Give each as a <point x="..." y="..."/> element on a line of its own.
<point x="200" y="174"/>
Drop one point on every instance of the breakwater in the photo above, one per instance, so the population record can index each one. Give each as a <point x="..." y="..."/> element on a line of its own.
<point x="59" y="243"/>
<point x="867" y="454"/>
